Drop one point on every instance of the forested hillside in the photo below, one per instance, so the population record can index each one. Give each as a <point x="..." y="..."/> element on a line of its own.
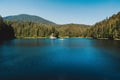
<point x="106" y="29"/>
<point x="6" y="32"/>
<point x="73" y="30"/>
<point x="32" y="29"/>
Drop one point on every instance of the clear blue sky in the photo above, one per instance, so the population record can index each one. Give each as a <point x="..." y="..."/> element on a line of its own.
<point x="62" y="11"/>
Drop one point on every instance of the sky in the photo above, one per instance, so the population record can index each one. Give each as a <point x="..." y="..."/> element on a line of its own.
<point x="62" y="11"/>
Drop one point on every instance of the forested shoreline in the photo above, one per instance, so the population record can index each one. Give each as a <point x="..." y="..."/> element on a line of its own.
<point x="106" y="29"/>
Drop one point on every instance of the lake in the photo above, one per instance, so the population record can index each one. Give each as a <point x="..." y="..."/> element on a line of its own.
<point x="67" y="59"/>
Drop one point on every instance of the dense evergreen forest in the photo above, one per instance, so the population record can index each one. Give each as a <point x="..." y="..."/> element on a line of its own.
<point x="106" y="29"/>
<point x="6" y="32"/>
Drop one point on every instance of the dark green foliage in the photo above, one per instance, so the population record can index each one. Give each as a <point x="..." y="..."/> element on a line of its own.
<point x="6" y="31"/>
<point x="108" y="28"/>
<point x="72" y="30"/>
<point x="1" y="20"/>
<point x="32" y="29"/>
<point x="27" y="18"/>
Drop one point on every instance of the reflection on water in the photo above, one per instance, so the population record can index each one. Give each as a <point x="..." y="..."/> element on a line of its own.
<point x="68" y="59"/>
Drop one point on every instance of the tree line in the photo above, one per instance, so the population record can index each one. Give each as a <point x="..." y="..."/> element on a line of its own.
<point x="6" y="32"/>
<point x="36" y="30"/>
<point x="108" y="28"/>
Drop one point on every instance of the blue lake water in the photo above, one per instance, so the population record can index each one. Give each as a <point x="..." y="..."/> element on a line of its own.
<point x="68" y="59"/>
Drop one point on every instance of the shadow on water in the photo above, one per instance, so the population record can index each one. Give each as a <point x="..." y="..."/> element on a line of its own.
<point x="110" y="46"/>
<point x="30" y="43"/>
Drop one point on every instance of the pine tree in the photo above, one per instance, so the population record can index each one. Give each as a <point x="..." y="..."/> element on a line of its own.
<point x="1" y="20"/>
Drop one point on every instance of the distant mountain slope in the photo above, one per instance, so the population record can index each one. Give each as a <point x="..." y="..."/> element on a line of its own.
<point x="26" y="18"/>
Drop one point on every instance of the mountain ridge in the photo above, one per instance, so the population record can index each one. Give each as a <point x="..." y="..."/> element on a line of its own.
<point x="28" y="18"/>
